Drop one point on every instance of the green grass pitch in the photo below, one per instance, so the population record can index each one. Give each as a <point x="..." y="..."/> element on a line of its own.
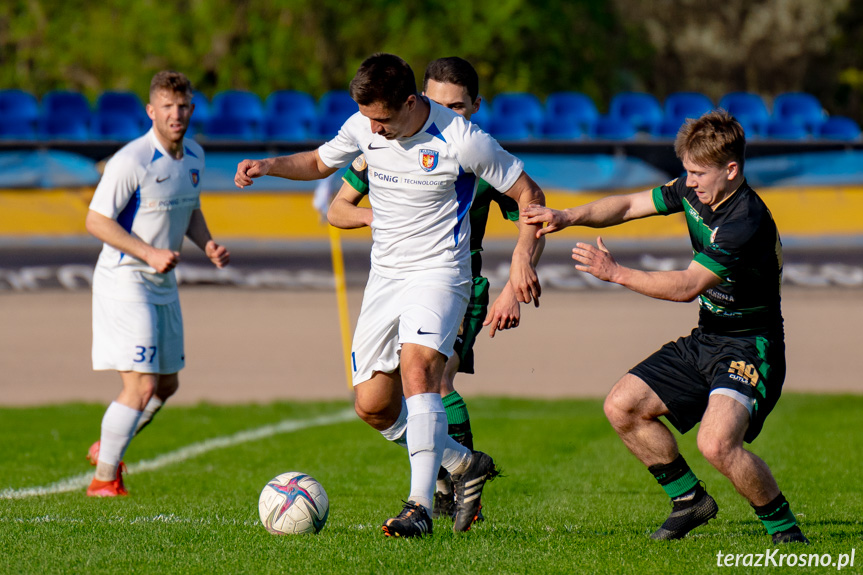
<point x="572" y="499"/>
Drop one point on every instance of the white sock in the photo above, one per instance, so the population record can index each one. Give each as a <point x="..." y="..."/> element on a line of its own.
<point x="118" y="428"/>
<point x="397" y="432"/>
<point x="154" y="405"/>
<point x="456" y="457"/>
<point x="426" y="437"/>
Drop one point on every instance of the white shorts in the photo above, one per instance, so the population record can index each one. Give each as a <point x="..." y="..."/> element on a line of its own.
<point x="136" y="336"/>
<point x="426" y="309"/>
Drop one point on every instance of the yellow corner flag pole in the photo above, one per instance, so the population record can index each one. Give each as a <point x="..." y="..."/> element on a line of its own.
<point x="342" y="299"/>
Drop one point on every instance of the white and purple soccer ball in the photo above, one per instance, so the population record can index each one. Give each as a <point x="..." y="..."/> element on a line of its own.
<point x="293" y="503"/>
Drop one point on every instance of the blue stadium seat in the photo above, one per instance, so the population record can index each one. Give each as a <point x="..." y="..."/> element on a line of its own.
<point x="201" y="115"/>
<point x="800" y="108"/>
<point x="116" y="126"/>
<point x="334" y="108"/>
<point x="483" y="116"/>
<point x="19" y="105"/>
<point x="572" y="107"/>
<point x="507" y="129"/>
<point x="231" y="128"/>
<point x="14" y="129"/>
<point x="749" y="109"/>
<point x="124" y="103"/>
<point x="63" y="102"/>
<point x="562" y="128"/>
<point x="785" y="130"/>
<point x="290" y="104"/>
<point x="639" y="109"/>
<point x="608" y="128"/>
<point x="64" y="127"/>
<point x="839" y="128"/>
<point x="286" y="128"/>
<point x="667" y="128"/>
<point x="682" y="105"/>
<point x="238" y="105"/>
<point x="518" y="107"/>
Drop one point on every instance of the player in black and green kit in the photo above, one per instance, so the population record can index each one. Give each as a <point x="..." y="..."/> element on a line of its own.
<point x="728" y="372"/>
<point x="453" y="83"/>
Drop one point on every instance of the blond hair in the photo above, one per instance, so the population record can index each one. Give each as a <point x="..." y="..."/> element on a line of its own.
<point x="713" y="140"/>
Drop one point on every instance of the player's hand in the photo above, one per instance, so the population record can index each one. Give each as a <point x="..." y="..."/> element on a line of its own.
<point x="219" y="255"/>
<point x="504" y="313"/>
<point x="555" y="220"/>
<point x="249" y="169"/>
<point x="524" y="281"/>
<point x="595" y="260"/>
<point x="162" y="261"/>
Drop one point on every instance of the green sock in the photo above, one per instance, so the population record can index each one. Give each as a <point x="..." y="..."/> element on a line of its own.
<point x="458" y="419"/>
<point x="776" y="515"/>
<point x="676" y="478"/>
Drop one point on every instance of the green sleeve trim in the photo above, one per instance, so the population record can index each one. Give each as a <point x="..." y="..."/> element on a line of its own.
<point x="357" y="184"/>
<point x="717" y="268"/>
<point x="658" y="201"/>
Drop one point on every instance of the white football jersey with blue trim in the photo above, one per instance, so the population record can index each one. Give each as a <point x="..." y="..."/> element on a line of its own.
<point x="421" y="188"/>
<point x="152" y="196"/>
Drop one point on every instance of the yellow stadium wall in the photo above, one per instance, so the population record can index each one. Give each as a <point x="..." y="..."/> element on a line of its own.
<point x="279" y="216"/>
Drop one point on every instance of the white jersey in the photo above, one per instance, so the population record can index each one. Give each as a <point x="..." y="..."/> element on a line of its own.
<point x="421" y="188"/>
<point x="152" y="196"/>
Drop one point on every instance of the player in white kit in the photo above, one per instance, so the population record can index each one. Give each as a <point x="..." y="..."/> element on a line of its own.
<point x="424" y="162"/>
<point x="147" y="201"/>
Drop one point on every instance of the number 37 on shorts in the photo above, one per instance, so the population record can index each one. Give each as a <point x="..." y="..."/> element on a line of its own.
<point x="144" y="354"/>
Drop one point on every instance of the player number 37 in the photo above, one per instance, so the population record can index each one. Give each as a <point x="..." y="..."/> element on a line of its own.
<point x="142" y="353"/>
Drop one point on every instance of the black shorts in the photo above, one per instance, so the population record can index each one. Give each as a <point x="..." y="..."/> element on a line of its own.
<point x="683" y="373"/>
<point x="477" y="308"/>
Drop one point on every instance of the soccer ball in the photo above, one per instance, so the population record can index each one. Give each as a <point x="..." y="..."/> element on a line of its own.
<point x="293" y="502"/>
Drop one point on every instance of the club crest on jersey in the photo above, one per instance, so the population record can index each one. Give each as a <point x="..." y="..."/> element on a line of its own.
<point x="196" y="177"/>
<point x="428" y="160"/>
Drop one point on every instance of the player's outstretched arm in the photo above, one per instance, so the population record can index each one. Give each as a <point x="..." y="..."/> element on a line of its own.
<point x="522" y="272"/>
<point x="199" y="233"/>
<point x="505" y="311"/>
<point x="344" y="211"/>
<point x="602" y="213"/>
<point x="303" y="166"/>
<point x="110" y="232"/>
<point x="683" y="285"/>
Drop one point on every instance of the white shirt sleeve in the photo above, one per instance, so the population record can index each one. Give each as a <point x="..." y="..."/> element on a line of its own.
<point x="483" y="156"/>
<point x="115" y="189"/>
<point x="341" y="150"/>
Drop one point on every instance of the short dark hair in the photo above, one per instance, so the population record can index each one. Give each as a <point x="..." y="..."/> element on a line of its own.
<point x="384" y="78"/>
<point x="170" y="81"/>
<point x="453" y="70"/>
<point x="714" y="139"/>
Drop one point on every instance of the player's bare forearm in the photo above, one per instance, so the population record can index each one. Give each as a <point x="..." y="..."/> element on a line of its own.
<point x="200" y="235"/>
<point x="344" y="211"/>
<point x="522" y="273"/>
<point x="680" y="285"/>
<point x="602" y="213"/>
<point x="112" y="233"/>
<point x="302" y="166"/>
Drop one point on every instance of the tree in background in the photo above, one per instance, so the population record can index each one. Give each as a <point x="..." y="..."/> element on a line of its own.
<point x="593" y="46"/>
<point x="761" y="46"/>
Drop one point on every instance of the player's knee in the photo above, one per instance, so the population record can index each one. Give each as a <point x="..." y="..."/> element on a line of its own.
<point x="378" y="414"/>
<point x="618" y="409"/>
<point x="716" y="449"/>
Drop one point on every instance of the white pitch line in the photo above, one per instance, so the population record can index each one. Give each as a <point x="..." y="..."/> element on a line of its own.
<point x="81" y="481"/>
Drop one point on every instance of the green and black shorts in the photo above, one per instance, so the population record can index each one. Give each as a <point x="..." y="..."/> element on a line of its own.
<point x="684" y="373"/>
<point x="477" y="308"/>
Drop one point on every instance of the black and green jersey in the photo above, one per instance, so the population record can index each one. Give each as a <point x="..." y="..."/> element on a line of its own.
<point x="357" y="177"/>
<point x="739" y="243"/>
